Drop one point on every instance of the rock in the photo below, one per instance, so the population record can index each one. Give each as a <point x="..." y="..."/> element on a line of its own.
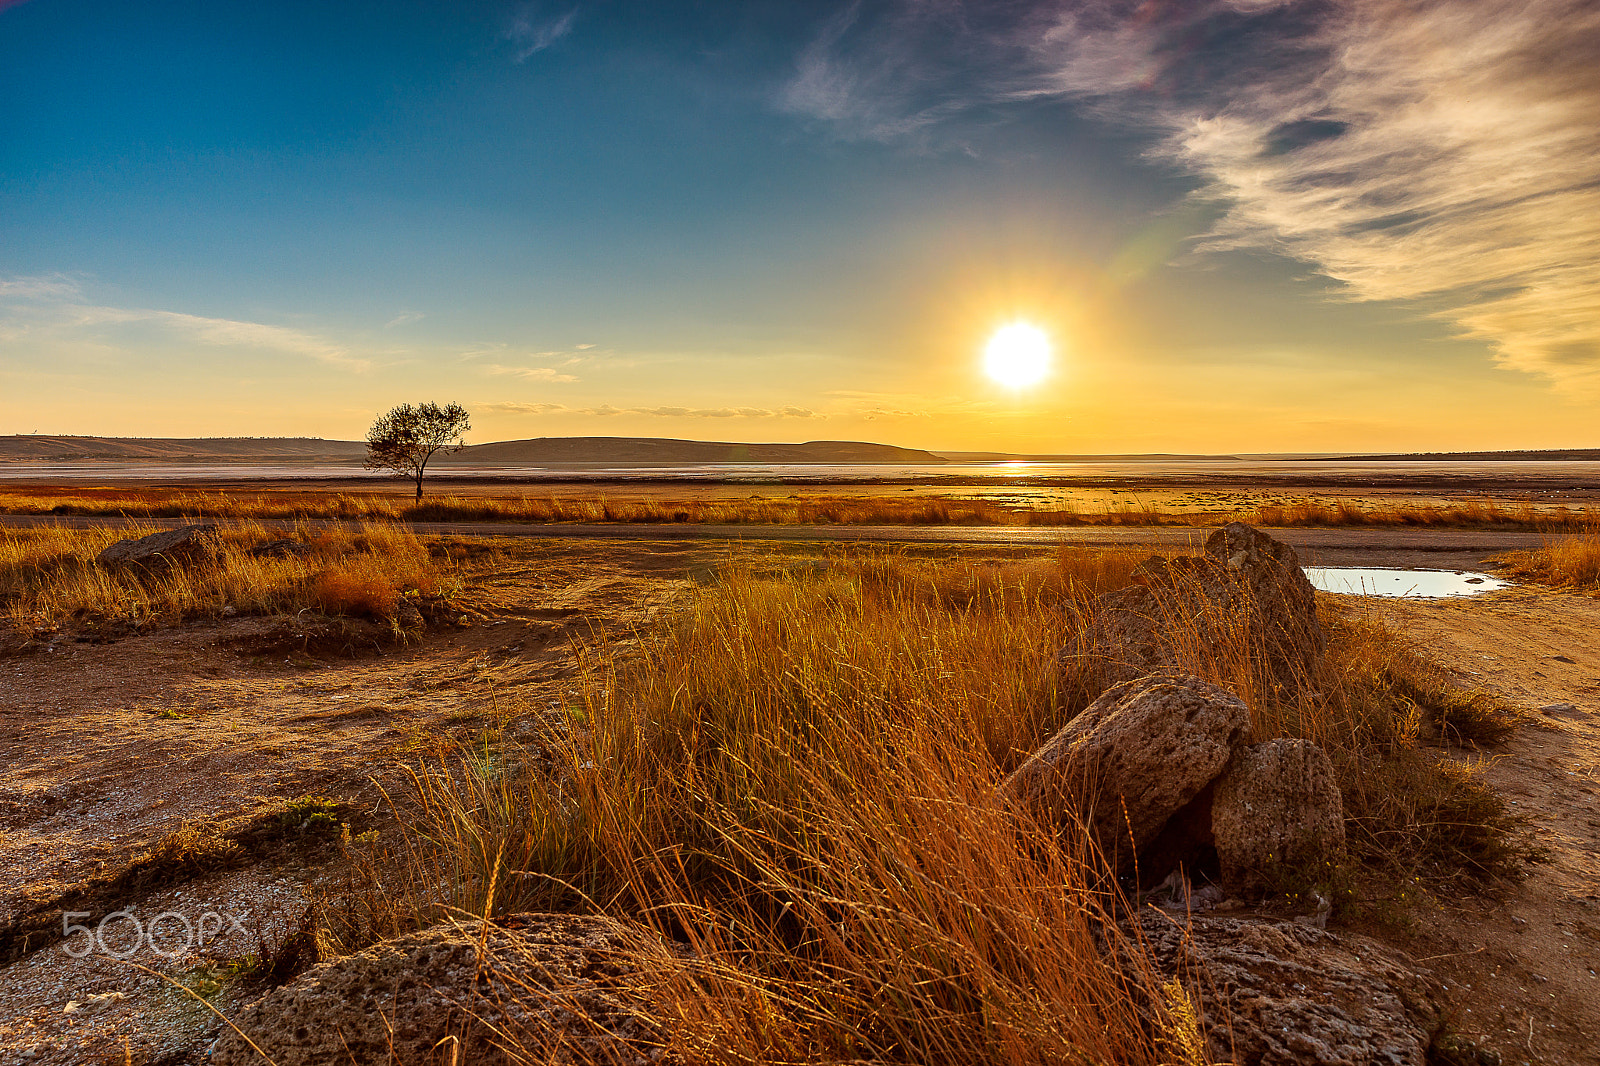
<point x="406" y="615"/>
<point x="1276" y="813"/>
<point x="1247" y="596"/>
<point x="1280" y="599"/>
<point x="1133" y="760"/>
<point x="439" y="611"/>
<point x="159" y="550"/>
<point x="1562" y="710"/>
<point x="543" y="988"/>
<point x="281" y="549"/>
<point x="1286" y="994"/>
<point x="1122" y="638"/>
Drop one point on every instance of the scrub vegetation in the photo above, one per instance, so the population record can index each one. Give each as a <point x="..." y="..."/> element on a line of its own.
<point x="795" y="774"/>
<point x="1565" y="562"/>
<point x="911" y="510"/>
<point x="49" y="577"/>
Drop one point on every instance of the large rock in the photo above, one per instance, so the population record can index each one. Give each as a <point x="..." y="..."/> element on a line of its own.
<point x="1276" y="814"/>
<point x="531" y="988"/>
<point x="159" y="550"/>
<point x="1136" y="757"/>
<point x="1277" y="596"/>
<point x="1246" y="599"/>
<point x="1287" y="994"/>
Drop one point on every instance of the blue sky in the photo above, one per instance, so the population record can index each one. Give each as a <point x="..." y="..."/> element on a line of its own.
<point x="1246" y="224"/>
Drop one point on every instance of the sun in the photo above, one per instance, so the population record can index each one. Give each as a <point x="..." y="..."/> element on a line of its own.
<point x="1017" y="355"/>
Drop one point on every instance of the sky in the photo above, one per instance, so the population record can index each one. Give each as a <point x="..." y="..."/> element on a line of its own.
<point x="1244" y="225"/>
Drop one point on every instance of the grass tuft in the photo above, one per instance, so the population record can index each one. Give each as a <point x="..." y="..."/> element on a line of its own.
<point x="49" y="579"/>
<point x="1565" y="562"/>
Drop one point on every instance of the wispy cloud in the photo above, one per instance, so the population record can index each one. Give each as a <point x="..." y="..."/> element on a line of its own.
<point x="875" y="72"/>
<point x="53" y="308"/>
<point x="510" y="407"/>
<point x="531" y="34"/>
<point x="1440" y="152"/>
<point x="528" y="373"/>
<point x="606" y="410"/>
<point x="404" y="318"/>
<point x="40" y="287"/>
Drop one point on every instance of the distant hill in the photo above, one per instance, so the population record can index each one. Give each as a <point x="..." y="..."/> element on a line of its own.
<point x="631" y="451"/>
<point x="665" y="451"/>
<point x="1525" y="455"/>
<point x="45" y="449"/>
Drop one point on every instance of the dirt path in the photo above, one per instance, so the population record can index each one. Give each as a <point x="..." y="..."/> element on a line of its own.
<point x="1526" y="966"/>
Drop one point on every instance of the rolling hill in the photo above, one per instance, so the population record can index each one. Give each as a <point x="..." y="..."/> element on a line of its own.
<point x="540" y="451"/>
<point x="48" y="449"/>
<point x="666" y="451"/>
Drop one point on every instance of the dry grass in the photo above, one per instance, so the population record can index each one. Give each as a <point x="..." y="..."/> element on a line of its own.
<point x="1567" y="562"/>
<point x="778" y="510"/>
<point x="48" y="576"/>
<point x="1472" y="514"/>
<point x="796" y="777"/>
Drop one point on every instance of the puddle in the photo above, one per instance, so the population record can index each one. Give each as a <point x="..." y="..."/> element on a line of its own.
<point x="1388" y="581"/>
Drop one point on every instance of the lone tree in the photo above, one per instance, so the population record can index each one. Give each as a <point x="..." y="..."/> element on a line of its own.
<point x="406" y="438"/>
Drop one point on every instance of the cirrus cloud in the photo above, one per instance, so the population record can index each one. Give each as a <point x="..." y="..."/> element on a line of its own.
<point x="607" y="410"/>
<point x="1439" y="152"/>
<point x="52" y="310"/>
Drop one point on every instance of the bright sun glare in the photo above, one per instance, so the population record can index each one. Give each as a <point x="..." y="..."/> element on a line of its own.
<point x="1017" y="355"/>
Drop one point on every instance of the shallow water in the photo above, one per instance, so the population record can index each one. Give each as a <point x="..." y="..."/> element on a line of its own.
<point x="1388" y="581"/>
<point x="1532" y="475"/>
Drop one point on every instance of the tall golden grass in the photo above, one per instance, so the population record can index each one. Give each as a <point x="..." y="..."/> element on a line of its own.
<point x="797" y="776"/>
<point x="48" y="575"/>
<point x="1565" y="562"/>
<point x="797" y="779"/>
<point x="793" y="510"/>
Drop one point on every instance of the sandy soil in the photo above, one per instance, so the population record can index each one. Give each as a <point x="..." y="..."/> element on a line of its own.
<point x="1525" y="964"/>
<point x="107" y="748"/>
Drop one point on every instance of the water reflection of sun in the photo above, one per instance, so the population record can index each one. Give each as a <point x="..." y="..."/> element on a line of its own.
<point x="1018" y="355"/>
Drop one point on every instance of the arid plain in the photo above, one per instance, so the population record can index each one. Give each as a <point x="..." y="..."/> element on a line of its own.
<point x="259" y="763"/>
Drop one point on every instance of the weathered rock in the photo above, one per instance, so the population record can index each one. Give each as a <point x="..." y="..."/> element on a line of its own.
<point x="1123" y="638"/>
<point x="1136" y="757"/>
<point x="159" y="550"/>
<point x="1275" y="814"/>
<point x="1286" y="994"/>
<point x="531" y="988"/>
<point x="282" y="549"/>
<point x="406" y="615"/>
<point x="1246" y="597"/>
<point x="1278" y="596"/>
